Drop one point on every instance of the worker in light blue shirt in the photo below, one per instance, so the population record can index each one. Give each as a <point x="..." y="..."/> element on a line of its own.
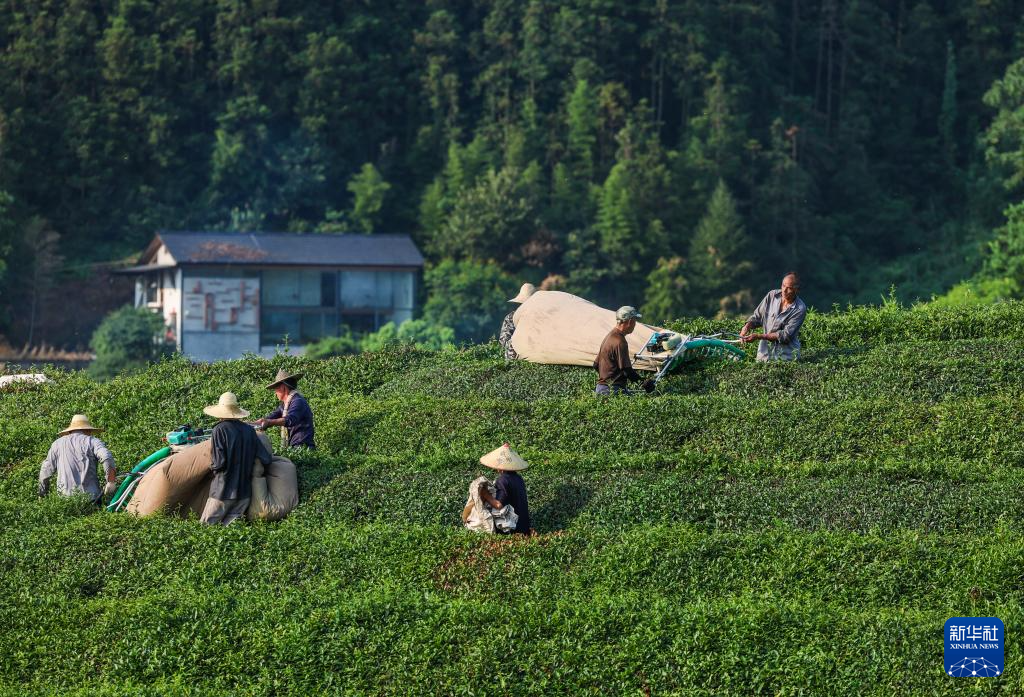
<point x="780" y="314"/>
<point x="73" y="457"/>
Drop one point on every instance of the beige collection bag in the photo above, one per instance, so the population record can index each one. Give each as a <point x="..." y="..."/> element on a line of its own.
<point x="479" y="517"/>
<point x="564" y="329"/>
<point x="181" y="483"/>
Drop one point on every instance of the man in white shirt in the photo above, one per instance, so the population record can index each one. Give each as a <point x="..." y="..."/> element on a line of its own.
<point x="73" y="458"/>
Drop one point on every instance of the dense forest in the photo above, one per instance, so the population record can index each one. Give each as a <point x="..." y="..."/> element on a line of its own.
<point x="676" y="155"/>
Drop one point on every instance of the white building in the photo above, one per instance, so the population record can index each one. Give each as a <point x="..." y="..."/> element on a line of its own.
<point x="225" y="294"/>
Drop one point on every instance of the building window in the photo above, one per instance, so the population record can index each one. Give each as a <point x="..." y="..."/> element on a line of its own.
<point x="307" y="305"/>
<point x="293" y="288"/>
<point x="151" y="285"/>
<point x="371" y="299"/>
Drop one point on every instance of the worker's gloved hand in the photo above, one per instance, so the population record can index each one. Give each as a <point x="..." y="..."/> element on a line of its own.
<point x="647" y="386"/>
<point x="110" y="488"/>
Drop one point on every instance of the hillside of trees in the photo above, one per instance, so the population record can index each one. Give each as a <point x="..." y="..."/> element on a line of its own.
<point x="675" y="155"/>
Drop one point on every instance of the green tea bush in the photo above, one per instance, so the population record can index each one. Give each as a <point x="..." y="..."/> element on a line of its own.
<point x="785" y="528"/>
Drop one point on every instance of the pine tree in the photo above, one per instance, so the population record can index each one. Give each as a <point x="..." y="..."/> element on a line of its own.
<point x="668" y="291"/>
<point x="368" y="190"/>
<point x="947" y="115"/>
<point x="582" y="122"/>
<point x="573" y="177"/>
<point x="719" y="254"/>
<point x="1005" y="135"/>
<point x="1005" y="259"/>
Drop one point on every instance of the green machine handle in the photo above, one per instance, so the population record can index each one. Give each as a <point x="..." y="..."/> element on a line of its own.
<point x="120" y="497"/>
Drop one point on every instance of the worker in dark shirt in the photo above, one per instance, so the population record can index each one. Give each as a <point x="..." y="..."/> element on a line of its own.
<point x="613" y="364"/>
<point x="235" y="448"/>
<point x="510" y="490"/>
<point x="293" y="415"/>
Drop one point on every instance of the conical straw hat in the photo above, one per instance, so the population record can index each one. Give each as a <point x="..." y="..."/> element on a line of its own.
<point x="282" y="376"/>
<point x="80" y="422"/>
<point x="504" y="458"/>
<point x="226" y="408"/>
<point x="525" y="292"/>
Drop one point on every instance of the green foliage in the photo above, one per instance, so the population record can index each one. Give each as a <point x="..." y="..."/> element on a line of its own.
<point x="581" y="119"/>
<point x="718" y="135"/>
<point x="719" y="258"/>
<point x="368" y="191"/>
<point x="341" y="345"/>
<point x="1006" y="252"/>
<point x="667" y="291"/>
<point x="947" y="116"/>
<point x="1002" y="274"/>
<point x="853" y="500"/>
<point x="490" y="220"/>
<point x="419" y="333"/>
<point x="6" y="230"/>
<point x="416" y="332"/>
<point x="1003" y="139"/>
<point x="126" y="341"/>
<point x="979" y="291"/>
<point x="578" y="139"/>
<point x="470" y="297"/>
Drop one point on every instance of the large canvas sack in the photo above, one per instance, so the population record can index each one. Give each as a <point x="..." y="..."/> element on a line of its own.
<point x="181" y="483"/>
<point x="563" y="329"/>
<point x="479" y="517"/>
<point x="177" y="484"/>
<point x="275" y="492"/>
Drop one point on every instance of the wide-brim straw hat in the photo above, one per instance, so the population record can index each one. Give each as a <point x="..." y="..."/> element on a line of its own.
<point x="285" y="376"/>
<point x="80" y="422"/>
<point x="525" y="292"/>
<point x="504" y="458"/>
<point x="226" y="408"/>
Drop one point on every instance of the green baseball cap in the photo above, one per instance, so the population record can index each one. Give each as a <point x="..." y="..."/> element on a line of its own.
<point x="626" y="313"/>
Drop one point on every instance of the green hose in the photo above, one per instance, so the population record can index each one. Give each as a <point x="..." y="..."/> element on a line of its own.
<point x="116" y="501"/>
<point x="697" y="349"/>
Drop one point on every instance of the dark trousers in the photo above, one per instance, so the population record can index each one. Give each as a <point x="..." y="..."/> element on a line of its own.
<point x="603" y="390"/>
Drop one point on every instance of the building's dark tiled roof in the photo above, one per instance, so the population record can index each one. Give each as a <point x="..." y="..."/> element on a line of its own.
<point x="274" y="248"/>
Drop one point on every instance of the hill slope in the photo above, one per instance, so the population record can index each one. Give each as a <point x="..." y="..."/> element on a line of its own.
<point x="751" y="528"/>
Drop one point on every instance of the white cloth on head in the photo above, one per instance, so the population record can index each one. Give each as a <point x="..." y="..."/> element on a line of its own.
<point x="480" y="517"/>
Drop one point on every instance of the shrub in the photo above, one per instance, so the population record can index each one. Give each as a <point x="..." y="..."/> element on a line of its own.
<point x="469" y="296"/>
<point x="127" y="340"/>
<point x="341" y="345"/>
<point x="420" y="333"/>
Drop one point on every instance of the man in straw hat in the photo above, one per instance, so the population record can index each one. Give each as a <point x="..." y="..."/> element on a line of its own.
<point x="509" y="487"/>
<point x="508" y="325"/>
<point x="235" y="447"/>
<point x="293" y="415"/>
<point x="73" y="458"/>
<point x="613" y="364"/>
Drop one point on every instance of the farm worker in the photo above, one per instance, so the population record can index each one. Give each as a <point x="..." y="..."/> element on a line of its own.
<point x="508" y="325"/>
<point x="614" y="367"/>
<point x="293" y="415"/>
<point x="73" y="458"/>
<point x="510" y="490"/>
<point x="235" y="448"/>
<point x="781" y="313"/>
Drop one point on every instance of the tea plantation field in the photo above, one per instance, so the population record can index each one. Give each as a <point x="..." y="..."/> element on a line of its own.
<point x="771" y="529"/>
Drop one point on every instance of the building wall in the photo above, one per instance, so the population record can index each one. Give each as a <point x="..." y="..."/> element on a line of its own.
<point x="220" y="313"/>
<point x="160" y="291"/>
